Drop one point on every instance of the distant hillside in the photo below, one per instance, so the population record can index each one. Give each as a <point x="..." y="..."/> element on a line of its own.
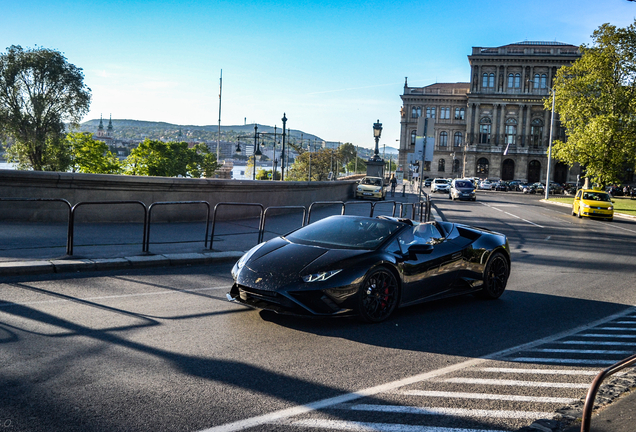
<point x="139" y="130"/>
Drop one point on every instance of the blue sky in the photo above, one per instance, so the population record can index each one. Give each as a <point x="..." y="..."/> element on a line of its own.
<point x="334" y="67"/>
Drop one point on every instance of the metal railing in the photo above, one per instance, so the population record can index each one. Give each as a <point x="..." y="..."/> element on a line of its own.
<point x="216" y="207"/>
<point x="596" y="384"/>
<point x="264" y="218"/>
<point x="146" y="245"/>
<point x="71" y="233"/>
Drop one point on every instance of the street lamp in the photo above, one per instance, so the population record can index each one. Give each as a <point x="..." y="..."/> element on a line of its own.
<point x="547" y="174"/>
<point x="377" y="131"/>
<point x="257" y="151"/>
<point x="238" y="148"/>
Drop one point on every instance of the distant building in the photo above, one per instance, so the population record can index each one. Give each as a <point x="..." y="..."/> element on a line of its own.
<point x="494" y="126"/>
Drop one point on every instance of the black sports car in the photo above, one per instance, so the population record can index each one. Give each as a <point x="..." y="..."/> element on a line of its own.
<point x="344" y="265"/>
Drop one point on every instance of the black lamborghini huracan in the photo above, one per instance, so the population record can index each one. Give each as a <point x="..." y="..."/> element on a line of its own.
<point x="366" y="266"/>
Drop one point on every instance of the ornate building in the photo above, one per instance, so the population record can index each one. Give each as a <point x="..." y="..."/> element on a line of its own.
<point x="494" y="126"/>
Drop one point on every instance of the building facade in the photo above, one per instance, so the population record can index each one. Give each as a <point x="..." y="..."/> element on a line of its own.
<point x="494" y="126"/>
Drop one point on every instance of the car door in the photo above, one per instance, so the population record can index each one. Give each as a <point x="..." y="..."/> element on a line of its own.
<point x="429" y="274"/>
<point x="577" y="202"/>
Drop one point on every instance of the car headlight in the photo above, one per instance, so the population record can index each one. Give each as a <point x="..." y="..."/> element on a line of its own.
<point x="585" y="205"/>
<point x="322" y="276"/>
<point x="610" y="208"/>
<point x="241" y="262"/>
<point x="377" y="190"/>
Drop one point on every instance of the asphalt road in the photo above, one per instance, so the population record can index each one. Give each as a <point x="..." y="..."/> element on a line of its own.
<point x="161" y="349"/>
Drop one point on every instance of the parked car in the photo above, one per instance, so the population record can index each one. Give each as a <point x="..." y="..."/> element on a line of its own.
<point x="371" y="188"/>
<point x="462" y="189"/>
<point x="353" y="265"/>
<point x="485" y="185"/>
<point x="515" y="185"/>
<point x="556" y="189"/>
<point x="501" y="186"/>
<point x="427" y="182"/>
<point x="440" y="185"/>
<point x="593" y="203"/>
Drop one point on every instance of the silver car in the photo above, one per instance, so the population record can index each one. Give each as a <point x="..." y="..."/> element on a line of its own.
<point x="462" y="189"/>
<point x="440" y="185"/>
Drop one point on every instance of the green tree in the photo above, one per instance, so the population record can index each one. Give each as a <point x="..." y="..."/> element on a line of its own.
<point x="90" y="155"/>
<point x="320" y="166"/>
<point x="171" y="159"/>
<point x="346" y="152"/>
<point x="39" y="92"/>
<point x="595" y="98"/>
<point x="362" y="165"/>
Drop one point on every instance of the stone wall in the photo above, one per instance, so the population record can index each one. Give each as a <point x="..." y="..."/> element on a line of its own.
<point x="77" y="188"/>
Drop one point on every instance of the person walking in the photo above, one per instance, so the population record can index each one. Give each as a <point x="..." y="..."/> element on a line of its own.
<point x="393" y="182"/>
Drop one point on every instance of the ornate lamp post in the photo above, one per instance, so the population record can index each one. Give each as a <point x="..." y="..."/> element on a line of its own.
<point x="377" y="131"/>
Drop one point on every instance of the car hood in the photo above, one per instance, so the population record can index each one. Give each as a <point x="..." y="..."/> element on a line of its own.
<point x="599" y="204"/>
<point x="367" y="187"/>
<point x="280" y="263"/>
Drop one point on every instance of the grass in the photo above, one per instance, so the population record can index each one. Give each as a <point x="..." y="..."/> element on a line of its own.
<point x="621" y="205"/>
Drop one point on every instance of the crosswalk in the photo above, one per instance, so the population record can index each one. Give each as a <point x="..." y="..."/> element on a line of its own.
<point x="501" y="393"/>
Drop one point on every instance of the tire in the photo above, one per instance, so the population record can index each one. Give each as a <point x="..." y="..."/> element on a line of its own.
<point x="496" y="275"/>
<point x="378" y="296"/>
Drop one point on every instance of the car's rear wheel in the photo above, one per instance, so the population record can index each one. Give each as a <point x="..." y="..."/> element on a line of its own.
<point x="495" y="277"/>
<point x="378" y="296"/>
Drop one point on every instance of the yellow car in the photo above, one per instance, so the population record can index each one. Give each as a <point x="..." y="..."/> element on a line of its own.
<point x="593" y="203"/>
<point x="371" y="188"/>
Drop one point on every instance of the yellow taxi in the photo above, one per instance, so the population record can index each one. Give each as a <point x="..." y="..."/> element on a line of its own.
<point x="593" y="203"/>
<point x="371" y="188"/>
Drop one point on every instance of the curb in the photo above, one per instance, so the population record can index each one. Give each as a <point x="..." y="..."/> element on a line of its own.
<point x="21" y="268"/>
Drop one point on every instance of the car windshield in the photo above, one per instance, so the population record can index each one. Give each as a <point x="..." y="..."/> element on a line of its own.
<point x="596" y="196"/>
<point x="463" y="184"/>
<point x="345" y="232"/>
<point x="371" y="181"/>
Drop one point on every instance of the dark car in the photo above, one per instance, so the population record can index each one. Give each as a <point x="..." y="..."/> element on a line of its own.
<point x="462" y="189"/>
<point x="352" y="265"/>
<point x="501" y="186"/>
<point x="427" y="182"/>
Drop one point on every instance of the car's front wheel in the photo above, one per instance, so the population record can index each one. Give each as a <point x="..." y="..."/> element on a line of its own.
<point x="378" y="296"/>
<point x="495" y="276"/>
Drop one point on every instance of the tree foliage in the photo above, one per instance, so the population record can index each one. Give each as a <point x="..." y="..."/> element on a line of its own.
<point x="596" y="102"/>
<point x="39" y="92"/>
<point x="171" y="159"/>
<point x="90" y="155"/>
<point x="320" y="160"/>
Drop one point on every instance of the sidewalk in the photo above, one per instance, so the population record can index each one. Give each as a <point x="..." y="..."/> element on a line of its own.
<point x="38" y="248"/>
<point x="619" y="416"/>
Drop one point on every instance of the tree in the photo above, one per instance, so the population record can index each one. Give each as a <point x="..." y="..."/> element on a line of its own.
<point x="171" y="159"/>
<point x="361" y="165"/>
<point x="346" y="152"/>
<point x="39" y="92"/>
<point x="320" y="166"/>
<point x="91" y="156"/>
<point x="596" y="100"/>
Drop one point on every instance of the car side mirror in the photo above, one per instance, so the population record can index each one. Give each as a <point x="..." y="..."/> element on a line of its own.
<point x="420" y="248"/>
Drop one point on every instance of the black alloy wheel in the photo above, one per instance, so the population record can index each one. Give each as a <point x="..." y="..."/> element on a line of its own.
<point x="378" y="296"/>
<point x="495" y="277"/>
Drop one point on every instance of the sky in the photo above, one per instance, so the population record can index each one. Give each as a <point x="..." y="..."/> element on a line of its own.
<point x="332" y="67"/>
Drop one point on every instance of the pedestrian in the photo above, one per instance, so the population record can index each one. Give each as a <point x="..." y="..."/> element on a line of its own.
<point x="393" y="182"/>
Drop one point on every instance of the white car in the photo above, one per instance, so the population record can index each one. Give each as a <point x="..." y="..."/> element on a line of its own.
<point x="440" y="185"/>
<point x="485" y="185"/>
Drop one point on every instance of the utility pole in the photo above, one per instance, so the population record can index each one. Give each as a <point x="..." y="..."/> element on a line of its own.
<point x="218" y="137"/>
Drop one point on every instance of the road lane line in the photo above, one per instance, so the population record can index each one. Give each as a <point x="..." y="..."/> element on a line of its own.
<point x="456" y="412"/>
<point x="377" y="427"/>
<point x="621" y="343"/>
<point x="607" y="336"/>
<point x="573" y="351"/>
<point x="542" y="371"/>
<point x="348" y="397"/>
<point x="562" y="361"/>
<point x="486" y="396"/>
<point x="513" y="215"/>
<point x="617" y="328"/>
<point x="514" y="383"/>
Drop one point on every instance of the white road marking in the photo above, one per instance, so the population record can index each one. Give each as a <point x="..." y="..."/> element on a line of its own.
<point x="573" y="351"/>
<point x="458" y="412"/>
<point x="377" y="427"/>
<point x="515" y="383"/>
<point x="621" y="228"/>
<point x="608" y="336"/>
<point x="621" y="343"/>
<point x="541" y="371"/>
<point x="513" y="215"/>
<point x="485" y="396"/>
<point x="562" y="361"/>
<point x="349" y="397"/>
<point x="617" y="328"/>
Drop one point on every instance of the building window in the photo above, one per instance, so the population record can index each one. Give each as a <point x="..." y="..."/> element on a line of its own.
<point x="430" y="112"/>
<point x="441" y="165"/>
<point x="427" y="165"/>
<point x="443" y="139"/>
<point x="514" y="80"/>
<point x="511" y="131"/>
<point x="540" y="81"/>
<point x="455" y="165"/>
<point x="517" y="81"/>
<point x="444" y="113"/>
<point x="482" y="168"/>
<point x="488" y="80"/>
<point x="544" y="81"/>
<point x="413" y="133"/>
<point x="416" y="112"/>
<point x="536" y="131"/>
<point x="458" y="139"/>
<point x="484" y="82"/>
<point x="484" y="131"/>
<point x="511" y="80"/>
<point x="459" y="113"/>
